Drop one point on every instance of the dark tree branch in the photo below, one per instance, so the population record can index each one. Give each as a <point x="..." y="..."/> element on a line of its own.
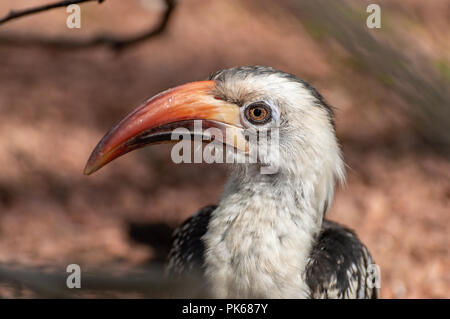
<point x="13" y="14"/>
<point x="112" y="41"/>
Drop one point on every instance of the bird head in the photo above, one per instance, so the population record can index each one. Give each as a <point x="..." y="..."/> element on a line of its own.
<point x="240" y="103"/>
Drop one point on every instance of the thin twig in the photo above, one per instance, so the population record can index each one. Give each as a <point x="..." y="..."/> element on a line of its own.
<point x="14" y="14"/>
<point x="112" y="41"/>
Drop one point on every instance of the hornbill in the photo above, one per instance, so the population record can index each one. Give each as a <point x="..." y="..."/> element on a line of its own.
<point x="267" y="236"/>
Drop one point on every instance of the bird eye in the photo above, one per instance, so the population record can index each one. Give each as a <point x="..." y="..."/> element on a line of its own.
<point x="258" y="113"/>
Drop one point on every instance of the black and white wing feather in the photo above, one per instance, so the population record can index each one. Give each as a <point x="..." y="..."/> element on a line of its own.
<point x="187" y="252"/>
<point x="340" y="266"/>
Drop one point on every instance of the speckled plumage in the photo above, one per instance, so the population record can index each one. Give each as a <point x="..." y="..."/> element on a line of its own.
<point x="338" y="265"/>
<point x="187" y="252"/>
<point x="267" y="236"/>
<point x="336" y="268"/>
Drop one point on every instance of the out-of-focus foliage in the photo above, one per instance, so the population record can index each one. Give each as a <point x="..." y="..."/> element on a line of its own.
<point x="424" y="86"/>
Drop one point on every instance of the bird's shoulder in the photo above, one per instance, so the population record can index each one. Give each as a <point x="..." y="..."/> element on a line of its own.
<point x="187" y="251"/>
<point x="340" y="266"/>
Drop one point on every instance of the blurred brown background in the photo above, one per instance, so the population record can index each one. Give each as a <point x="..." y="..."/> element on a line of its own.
<point x="389" y="87"/>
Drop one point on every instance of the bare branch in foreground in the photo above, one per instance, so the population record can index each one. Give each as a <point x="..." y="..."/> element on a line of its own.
<point x="112" y="41"/>
<point x="15" y="14"/>
<point x="146" y="283"/>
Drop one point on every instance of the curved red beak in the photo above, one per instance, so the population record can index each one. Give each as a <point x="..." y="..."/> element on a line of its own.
<point x="154" y="120"/>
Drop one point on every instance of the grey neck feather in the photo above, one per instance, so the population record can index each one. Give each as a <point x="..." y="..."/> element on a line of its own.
<point x="260" y="236"/>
